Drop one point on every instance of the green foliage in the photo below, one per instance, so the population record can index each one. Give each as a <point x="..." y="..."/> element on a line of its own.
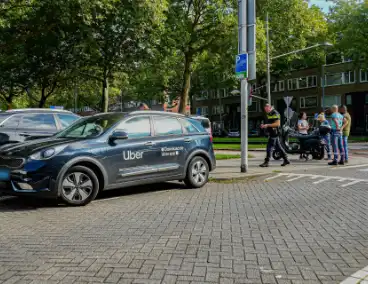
<point x="349" y="24"/>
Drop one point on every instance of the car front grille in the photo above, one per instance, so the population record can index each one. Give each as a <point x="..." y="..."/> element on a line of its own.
<point x="11" y="162"/>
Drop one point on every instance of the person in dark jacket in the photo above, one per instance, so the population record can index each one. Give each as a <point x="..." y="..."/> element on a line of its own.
<point x="272" y="125"/>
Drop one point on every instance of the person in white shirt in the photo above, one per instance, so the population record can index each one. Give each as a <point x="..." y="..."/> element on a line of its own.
<point x="303" y="126"/>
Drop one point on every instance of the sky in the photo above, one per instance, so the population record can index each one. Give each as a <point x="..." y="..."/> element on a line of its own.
<point x="321" y="3"/>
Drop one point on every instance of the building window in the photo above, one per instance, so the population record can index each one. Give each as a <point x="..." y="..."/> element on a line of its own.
<point x="334" y="79"/>
<point x="275" y="87"/>
<point x="302" y="83"/>
<point x="312" y="81"/>
<point x="349" y="77"/>
<point x="348" y="100"/>
<point x="331" y="100"/>
<point x="202" y="111"/>
<point x="366" y="99"/>
<point x="363" y="75"/>
<point x="308" y="102"/>
<point x="223" y="93"/>
<point x="281" y="85"/>
<point x="202" y="96"/>
<point x="292" y="84"/>
<point x="217" y="109"/>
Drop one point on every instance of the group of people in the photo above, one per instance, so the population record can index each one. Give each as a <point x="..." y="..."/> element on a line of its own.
<point x="340" y="122"/>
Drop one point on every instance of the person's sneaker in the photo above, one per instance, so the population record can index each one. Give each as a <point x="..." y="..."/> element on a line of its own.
<point x="341" y="162"/>
<point x="346" y="161"/>
<point x="264" y="165"/>
<point x="333" y="163"/>
<point x="285" y="163"/>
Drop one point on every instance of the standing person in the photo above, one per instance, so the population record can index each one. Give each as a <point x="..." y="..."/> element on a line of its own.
<point x="345" y="130"/>
<point x="143" y="106"/>
<point x="303" y="126"/>
<point x="336" y="136"/>
<point x="273" y="124"/>
<point x="327" y="138"/>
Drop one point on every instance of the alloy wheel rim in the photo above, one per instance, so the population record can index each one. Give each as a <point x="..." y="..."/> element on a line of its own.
<point x="199" y="172"/>
<point x="77" y="186"/>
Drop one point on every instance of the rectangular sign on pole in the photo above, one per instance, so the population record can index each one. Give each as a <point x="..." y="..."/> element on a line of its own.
<point x="241" y="66"/>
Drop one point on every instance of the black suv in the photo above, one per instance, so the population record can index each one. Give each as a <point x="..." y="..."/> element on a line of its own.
<point x="108" y="151"/>
<point x="25" y="124"/>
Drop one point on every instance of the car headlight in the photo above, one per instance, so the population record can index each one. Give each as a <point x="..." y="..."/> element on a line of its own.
<point x="48" y="153"/>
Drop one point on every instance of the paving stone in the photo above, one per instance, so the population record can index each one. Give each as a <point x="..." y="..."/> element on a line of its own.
<point x="251" y="232"/>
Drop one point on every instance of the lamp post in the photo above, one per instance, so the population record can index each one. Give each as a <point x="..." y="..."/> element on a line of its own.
<point x="325" y="44"/>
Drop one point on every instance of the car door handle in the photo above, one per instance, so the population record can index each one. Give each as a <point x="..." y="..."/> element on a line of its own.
<point x="188" y="140"/>
<point x="150" y="143"/>
<point x="24" y="134"/>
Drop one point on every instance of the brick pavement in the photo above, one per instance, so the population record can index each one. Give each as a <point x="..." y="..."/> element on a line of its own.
<point x="254" y="232"/>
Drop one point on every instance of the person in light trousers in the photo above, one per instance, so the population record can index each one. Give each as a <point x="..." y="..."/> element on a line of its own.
<point x="336" y="136"/>
<point x="345" y="130"/>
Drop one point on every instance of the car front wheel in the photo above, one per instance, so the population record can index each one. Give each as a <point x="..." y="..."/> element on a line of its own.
<point x="79" y="186"/>
<point x="197" y="173"/>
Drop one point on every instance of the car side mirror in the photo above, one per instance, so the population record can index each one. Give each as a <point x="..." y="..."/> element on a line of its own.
<point x="118" y="135"/>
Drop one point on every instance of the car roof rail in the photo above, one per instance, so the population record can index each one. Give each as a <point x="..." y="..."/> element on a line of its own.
<point x="156" y="112"/>
<point x="38" y="109"/>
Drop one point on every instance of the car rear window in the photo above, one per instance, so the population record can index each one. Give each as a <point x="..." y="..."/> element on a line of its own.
<point x="204" y="121"/>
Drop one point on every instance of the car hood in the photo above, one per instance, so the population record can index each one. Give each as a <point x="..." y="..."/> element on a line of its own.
<point x="25" y="149"/>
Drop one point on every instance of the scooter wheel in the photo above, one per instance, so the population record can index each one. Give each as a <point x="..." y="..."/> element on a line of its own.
<point x="276" y="155"/>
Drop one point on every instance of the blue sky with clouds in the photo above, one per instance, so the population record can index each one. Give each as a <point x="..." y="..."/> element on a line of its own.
<point x="321" y="3"/>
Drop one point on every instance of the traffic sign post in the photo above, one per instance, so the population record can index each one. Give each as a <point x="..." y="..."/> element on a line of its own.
<point x="241" y="66"/>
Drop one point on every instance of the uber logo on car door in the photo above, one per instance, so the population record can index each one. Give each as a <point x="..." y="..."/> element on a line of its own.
<point x="129" y="155"/>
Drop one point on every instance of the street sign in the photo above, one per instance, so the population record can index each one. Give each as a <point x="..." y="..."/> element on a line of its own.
<point x="56" y="107"/>
<point x="288" y="101"/>
<point x="241" y="66"/>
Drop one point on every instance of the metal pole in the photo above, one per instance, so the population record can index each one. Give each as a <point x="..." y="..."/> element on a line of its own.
<point x="75" y="97"/>
<point x="244" y="87"/>
<point x="219" y="94"/>
<point x="268" y="62"/>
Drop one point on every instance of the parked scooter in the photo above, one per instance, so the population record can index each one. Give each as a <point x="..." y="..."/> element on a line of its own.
<point x="311" y="144"/>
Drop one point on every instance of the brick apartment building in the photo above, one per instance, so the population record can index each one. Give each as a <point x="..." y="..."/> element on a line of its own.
<point x="344" y="84"/>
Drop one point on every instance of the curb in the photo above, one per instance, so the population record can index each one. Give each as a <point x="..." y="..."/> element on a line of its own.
<point x="234" y="179"/>
<point x="233" y="150"/>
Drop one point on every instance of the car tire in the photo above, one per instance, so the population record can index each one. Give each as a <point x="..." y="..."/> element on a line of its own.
<point x="197" y="173"/>
<point x="79" y="186"/>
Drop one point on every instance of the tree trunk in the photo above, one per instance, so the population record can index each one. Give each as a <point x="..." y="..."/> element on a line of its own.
<point x="43" y="98"/>
<point x="105" y="95"/>
<point x="186" y="83"/>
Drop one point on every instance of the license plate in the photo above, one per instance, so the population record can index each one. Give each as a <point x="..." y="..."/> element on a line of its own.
<point x="4" y="175"/>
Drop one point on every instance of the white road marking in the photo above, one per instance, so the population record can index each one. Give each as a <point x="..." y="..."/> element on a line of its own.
<point x="321" y="180"/>
<point x="364" y="170"/>
<point x="361" y="276"/>
<point x="350" y="183"/>
<point x="295" y="178"/>
<point x="349" y="167"/>
<point x="276" y="176"/>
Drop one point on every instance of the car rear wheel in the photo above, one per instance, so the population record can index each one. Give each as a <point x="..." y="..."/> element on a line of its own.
<point x="79" y="186"/>
<point x="197" y="173"/>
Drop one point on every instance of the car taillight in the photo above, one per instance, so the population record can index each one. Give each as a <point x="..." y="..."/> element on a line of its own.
<point x="210" y="133"/>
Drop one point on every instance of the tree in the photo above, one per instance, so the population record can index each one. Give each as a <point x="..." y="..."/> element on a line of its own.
<point x="195" y="26"/>
<point x="348" y="23"/>
<point x="118" y="34"/>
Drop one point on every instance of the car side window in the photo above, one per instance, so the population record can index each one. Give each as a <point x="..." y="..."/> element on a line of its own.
<point x="136" y="127"/>
<point x="11" y="122"/>
<point x="167" y="126"/>
<point x="66" y="119"/>
<point x="188" y="126"/>
<point x="38" y="121"/>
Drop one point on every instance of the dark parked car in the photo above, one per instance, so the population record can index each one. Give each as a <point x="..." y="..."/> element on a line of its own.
<point x="108" y="151"/>
<point x="25" y="124"/>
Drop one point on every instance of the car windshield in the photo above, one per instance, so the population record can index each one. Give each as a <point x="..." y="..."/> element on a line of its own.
<point x="91" y="127"/>
<point x="234" y="130"/>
